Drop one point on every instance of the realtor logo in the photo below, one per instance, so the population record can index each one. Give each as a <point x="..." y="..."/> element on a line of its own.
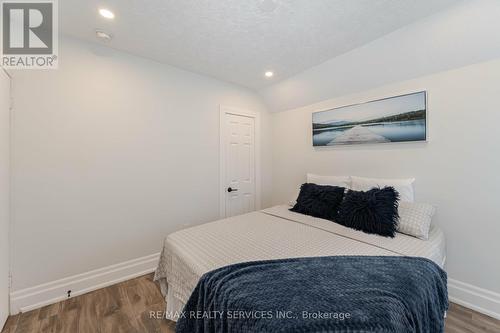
<point x="29" y="34"/>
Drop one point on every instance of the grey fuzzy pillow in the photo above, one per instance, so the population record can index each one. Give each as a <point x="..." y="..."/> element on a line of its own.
<point x="321" y="201"/>
<point x="374" y="211"/>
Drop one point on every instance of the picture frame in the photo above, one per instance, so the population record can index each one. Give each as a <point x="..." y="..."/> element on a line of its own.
<point x="401" y="118"/>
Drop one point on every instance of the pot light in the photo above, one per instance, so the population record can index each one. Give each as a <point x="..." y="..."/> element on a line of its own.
<point x="268" y="74"/>
<point x="106" y="13"/>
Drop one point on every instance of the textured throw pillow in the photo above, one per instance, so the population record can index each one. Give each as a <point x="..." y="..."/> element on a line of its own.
<point x="374" y="211"/>
<point x="321" y="201"/>
<point x="415" y="219"/>
<point x="403" y="186"/>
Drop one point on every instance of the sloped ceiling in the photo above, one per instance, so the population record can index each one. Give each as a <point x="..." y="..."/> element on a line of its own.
<point x="238" y="40"/>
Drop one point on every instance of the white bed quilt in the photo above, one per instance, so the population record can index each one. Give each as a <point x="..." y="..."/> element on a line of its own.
<point x="273" y="233"/>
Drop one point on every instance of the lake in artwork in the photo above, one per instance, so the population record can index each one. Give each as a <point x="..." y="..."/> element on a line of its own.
<point x="396" y="119"/>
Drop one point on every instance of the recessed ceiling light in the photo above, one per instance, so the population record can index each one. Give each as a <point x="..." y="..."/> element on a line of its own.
<point x="268" y="74"/>
<point x="104" y="36"/>
<point x="106" y="13"/>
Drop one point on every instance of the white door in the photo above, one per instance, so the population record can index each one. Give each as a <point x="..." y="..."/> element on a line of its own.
<point x="239" y="187"/>
<point x="4" y="195"/>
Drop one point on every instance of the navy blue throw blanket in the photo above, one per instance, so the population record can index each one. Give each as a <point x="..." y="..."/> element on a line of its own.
<point x="320" y="294"/>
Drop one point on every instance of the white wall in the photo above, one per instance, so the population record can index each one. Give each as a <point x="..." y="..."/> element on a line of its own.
<point x="461" y="35"/>
<point x="112" y="153"/>
<point x="4" y="194"/>
<point x="457" y="170"/>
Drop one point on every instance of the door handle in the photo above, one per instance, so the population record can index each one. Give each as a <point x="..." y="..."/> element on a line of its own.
<point x="229" y="189"/>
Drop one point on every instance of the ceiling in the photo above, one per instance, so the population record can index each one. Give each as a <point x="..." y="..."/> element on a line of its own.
<point x="238" y="40"/>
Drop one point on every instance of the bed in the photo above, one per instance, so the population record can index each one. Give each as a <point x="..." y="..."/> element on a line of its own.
<point x="273" y="233"/>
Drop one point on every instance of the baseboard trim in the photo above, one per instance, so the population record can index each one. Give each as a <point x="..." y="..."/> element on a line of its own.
<point x="472" y="297"/>
<point x="478" y="299"/>
<point x="52" y="292"/>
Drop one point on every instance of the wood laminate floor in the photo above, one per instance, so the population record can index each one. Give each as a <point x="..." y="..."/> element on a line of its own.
<point x="125" y="308"/>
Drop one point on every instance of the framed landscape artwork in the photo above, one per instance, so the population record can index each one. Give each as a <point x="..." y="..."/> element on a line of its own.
<point x="394" y="119"/>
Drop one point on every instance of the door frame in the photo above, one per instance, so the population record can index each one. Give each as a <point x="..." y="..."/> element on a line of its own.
<point x="10" y="194"/>
<point x="223" y="111"/>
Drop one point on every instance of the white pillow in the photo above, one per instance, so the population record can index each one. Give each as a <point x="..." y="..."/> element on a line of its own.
<point x="403" y="186"/>
<point x="293" y="200"/>
<point x="341" y="181"/>
<point x="415" y="219"/>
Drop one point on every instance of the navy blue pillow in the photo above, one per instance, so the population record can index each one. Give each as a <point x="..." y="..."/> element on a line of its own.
<point x="321" y="201"/>
<point x="374" y="211"/>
